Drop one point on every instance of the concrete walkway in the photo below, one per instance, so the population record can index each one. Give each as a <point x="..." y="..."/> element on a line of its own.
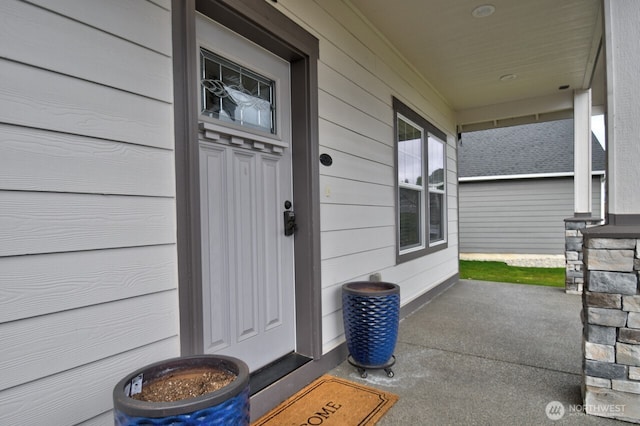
<point x="487" y="354"/>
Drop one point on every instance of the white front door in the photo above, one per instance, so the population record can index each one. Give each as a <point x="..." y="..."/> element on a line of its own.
<point x="245" y="180"/>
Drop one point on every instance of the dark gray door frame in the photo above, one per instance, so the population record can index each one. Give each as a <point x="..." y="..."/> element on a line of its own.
<point x="264" y="25"/>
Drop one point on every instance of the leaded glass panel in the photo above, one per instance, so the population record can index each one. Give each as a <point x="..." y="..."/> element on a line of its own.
<point x="233" y="93"/>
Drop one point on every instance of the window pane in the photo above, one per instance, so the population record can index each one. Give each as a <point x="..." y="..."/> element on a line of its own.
<point x="436" y="164"/>
<point x="410" y="215"/>
<point x="436" y="217"/>
<point x="409" y="153"/>
<point x="235" y="94"/>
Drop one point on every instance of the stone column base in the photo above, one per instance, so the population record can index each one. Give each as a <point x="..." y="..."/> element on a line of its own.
<point x="611" y="319"/>
<point x="573" y="254"/>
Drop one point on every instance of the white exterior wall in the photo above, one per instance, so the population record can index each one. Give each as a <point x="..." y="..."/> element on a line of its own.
<point x="358" y="75"/>
<point x="88" y="269"/>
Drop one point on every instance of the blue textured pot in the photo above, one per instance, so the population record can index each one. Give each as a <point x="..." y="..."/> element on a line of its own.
<point x="371" y="312"/>
<point x="226" y="406"/>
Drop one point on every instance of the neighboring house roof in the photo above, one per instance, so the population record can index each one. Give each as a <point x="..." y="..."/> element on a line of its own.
<point x="540" y="148"/>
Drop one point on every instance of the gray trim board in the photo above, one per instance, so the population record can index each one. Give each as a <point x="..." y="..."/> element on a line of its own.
<point x="187" y="182"/>
<point x="261" y="23"/>
<point x="613" y="231"/>
<point x="581" y="217"/>
<point x="623" y="219"/>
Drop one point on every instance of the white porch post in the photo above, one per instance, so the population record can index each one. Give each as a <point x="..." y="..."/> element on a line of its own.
<point x="623" y="107"/>
<point x="611" y="303"/>
<point x="582" y="152"/>
<point x="582" y="198"/>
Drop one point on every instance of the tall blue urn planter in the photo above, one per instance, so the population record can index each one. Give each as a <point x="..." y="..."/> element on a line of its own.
<point x="226" y="406"/>
<point x="371" y="312"/>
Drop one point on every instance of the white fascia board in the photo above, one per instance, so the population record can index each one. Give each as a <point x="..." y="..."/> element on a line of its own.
<point x="519" y="108"/>
<point x="523" y="176"/>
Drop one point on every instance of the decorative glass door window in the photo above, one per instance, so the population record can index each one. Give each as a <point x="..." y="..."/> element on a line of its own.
<point x="232" y="93"/>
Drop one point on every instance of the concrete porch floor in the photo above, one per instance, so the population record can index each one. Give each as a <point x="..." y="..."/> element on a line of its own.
<point x="487" y="353"/>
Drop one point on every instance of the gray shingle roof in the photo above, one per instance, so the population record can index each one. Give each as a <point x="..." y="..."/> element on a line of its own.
<point x="527" y="149"/>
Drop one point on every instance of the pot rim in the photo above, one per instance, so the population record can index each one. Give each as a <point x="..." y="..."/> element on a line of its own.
<point x="371" y="288"/>
<point x="134" y="407"/>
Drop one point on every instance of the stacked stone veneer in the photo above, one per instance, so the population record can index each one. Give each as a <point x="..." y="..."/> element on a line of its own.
<point x="573" y="238"/>
<point x="611" y="318"/>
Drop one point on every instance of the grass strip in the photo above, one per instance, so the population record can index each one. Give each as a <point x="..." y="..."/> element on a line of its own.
<point x="501" y="272"/>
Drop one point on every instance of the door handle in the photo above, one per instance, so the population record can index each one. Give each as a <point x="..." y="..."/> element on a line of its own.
<point x="290" y="226"/>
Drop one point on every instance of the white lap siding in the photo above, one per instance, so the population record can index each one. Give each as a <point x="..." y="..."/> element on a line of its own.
<point x="524" y="216"/>
<point x="358" y="75"/>
<point x="88" y="272"/>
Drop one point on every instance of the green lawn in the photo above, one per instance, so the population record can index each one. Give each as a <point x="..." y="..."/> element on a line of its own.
<point x="501" y="272"/>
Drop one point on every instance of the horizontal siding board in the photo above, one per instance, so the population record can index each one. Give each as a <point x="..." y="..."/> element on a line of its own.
<point x="335" y="217"/>
<point x="347" y="268"/>
<point x="76" y="395"/>
<point x="345" y="140"/>
<point x="354" y="168"/>
<point x="104" y="419"/>
<point x="518" y="216"/>
<point x="342" y="243"/>
<point x="140" y="22"/>
<point x="506" y="216"/>
<point x="414" y="286"/>
<point x="37" y="285"/>
<point x="88" y="270"/>
<point x="166" y="4"/>
<point x="332" y="330"/>
<point x="344" y="191"/>
<point x="327" y="27"/>
<point x="339" y="112"/>
<point x="332" y="299"/>
<point x="523" y="200"/>
<point x="37" y="160"/>
<point x="35" y="222"/>
<point x="442" y="263"/>
<point x="341" y="87"/>
<point x="37" y="37"/>
<point x="45" y="345"/>
<point x="412" y="280"/>
<point x="36" y="98"/>
<point x="340" y="62"/>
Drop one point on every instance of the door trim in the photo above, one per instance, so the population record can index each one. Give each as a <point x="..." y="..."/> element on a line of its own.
<point x="264" y="25"/>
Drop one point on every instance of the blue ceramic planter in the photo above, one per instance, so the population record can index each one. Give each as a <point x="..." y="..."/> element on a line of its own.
<point x="226" y="406"/>
<point x="371" y="312"/>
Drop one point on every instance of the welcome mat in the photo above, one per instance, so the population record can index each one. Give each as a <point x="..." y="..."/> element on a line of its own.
<point x="331" y="401"/>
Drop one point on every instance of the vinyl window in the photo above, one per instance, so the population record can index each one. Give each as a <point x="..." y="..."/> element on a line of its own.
<point x="421" y="185"/>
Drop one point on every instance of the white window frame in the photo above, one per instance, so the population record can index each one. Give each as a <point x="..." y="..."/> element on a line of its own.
<point x="442" y="192"/>
<point x="419" y="188"/>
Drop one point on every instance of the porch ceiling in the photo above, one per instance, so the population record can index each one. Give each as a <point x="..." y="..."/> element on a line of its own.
<point x="545" y="44"/>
